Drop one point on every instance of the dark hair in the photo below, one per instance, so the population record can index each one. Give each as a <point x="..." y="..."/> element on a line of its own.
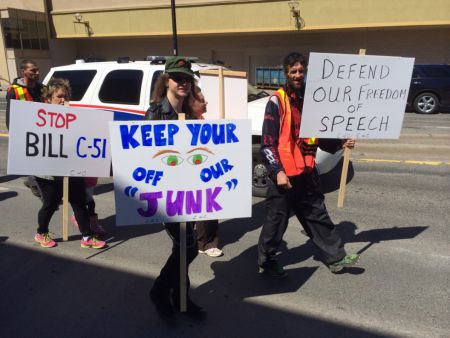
<point x="291" y="59"/>
<point x="53" y="85"/>
<point x="24" y="63"/>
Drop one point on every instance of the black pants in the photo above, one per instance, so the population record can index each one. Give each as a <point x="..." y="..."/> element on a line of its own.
<point x="169" y="278"/>
<point x="51" y="194"/>
<point x="207" y="234"/>
<point x="307" y="202"/>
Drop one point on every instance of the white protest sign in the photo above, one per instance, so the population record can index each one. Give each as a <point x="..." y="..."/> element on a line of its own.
<point x="235" y="95"/>
<point x="48" y="139"/>
<point x="355" y="96"/>
<point x="178" y="171"/>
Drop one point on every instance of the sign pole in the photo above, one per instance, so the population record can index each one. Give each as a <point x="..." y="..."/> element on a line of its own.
<point x="65" y="232"/>
<point x="221" y="94"/>
<point x="183" y="250"/>
<point x="345" y="163"/>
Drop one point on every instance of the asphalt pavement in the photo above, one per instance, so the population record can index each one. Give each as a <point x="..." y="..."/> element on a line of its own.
<point x="395" y="214"/>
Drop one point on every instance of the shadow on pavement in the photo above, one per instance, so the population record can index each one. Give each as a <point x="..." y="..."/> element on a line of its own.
<point x="373" y="236"/>
<point x="7" y="194"/>
<point x="230" y="231"/>
<point x="103" y="188"/>
<point x="8" y="178"/>
<point x="44" y="295"/>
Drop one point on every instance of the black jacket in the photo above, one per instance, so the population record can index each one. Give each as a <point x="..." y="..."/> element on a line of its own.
<point x="161" y="111"/>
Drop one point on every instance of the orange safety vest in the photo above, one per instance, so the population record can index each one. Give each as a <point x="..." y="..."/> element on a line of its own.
<point x="295" y="158"/>
<point x="22" y="93"/>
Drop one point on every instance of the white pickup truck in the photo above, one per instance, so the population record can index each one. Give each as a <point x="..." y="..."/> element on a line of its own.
<point x="125" y="87"/>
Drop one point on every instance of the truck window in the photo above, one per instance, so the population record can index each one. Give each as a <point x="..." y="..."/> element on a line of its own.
<point x="122" y="86"/>
<point x="79" y="81"/>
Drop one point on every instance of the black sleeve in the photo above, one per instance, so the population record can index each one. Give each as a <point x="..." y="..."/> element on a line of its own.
<point x="10" y="95"/>
<point x="153" y="112"/>
<point x="330" y="145"/>
<point x="269" y="139"/>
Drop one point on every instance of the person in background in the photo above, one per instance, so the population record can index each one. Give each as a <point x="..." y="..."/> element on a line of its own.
<point x="170" y="98"/>
<point x="207" y="231"/>
<point x="290" y="160"/>
<point x="58" y="92"/>
<point x="25" y="88"/>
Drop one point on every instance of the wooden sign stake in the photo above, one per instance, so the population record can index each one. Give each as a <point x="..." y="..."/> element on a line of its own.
<point x="65" y="232"/>
<point x="345" y="163"/>
<point x="183" y="249"/>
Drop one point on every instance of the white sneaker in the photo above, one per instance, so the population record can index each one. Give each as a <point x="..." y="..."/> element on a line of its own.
<point x="212" y="252"/>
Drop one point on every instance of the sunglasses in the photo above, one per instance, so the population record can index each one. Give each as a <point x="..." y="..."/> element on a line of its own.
<point x="180" y="78"/>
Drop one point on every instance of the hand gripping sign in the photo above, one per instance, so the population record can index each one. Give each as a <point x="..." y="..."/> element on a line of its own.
<point x="178" y="171"/>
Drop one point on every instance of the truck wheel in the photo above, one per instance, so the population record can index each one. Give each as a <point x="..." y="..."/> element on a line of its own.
<point x="260" y="180"/>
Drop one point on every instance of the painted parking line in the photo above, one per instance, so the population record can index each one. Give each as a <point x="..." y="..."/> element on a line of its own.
<point x="373" y="160"/>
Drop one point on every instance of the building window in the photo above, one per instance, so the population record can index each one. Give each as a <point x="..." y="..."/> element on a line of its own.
<point x="122" y="87"/>
<point x="24" y="33"/>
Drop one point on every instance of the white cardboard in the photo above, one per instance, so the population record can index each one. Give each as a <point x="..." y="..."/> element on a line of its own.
<point x="84" y="150"/>
<point x="236" y="102"/>
<point x="355" y="96"/>
<point x="132" y="167"/>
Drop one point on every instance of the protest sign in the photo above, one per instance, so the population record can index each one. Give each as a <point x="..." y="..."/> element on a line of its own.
<point x="181" y="171"/>
<point x="227" y="99"/>
<point x="55" y="140"/>
<point x="355" y="96"/>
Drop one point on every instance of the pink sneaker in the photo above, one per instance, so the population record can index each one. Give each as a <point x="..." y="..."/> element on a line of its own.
<point x="93" y="243"/>
<point x="74" y="221"/>
<point x="45" y="240"/>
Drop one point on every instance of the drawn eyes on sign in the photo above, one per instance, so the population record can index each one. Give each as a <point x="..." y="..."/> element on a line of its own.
<point x="197" y="159"/>
<point x="172" y="160"/>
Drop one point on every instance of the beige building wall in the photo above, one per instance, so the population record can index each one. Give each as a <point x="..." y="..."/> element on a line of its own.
<point x="106" y="18"/>
<point x="246" y="52"/>
<point x="242" y="34"/>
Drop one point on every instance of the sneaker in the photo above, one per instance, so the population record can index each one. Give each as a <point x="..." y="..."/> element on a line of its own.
<point x="45" y="240"/>
<point x="348" y="260"/>
<point x="212" y="252"/>
<point x="93" y="243"/>
<point x="73" y="220"/>
<point x="273" y="269"/>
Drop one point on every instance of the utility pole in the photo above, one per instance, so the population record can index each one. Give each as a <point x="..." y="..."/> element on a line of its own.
<point x="174" y="28"/>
